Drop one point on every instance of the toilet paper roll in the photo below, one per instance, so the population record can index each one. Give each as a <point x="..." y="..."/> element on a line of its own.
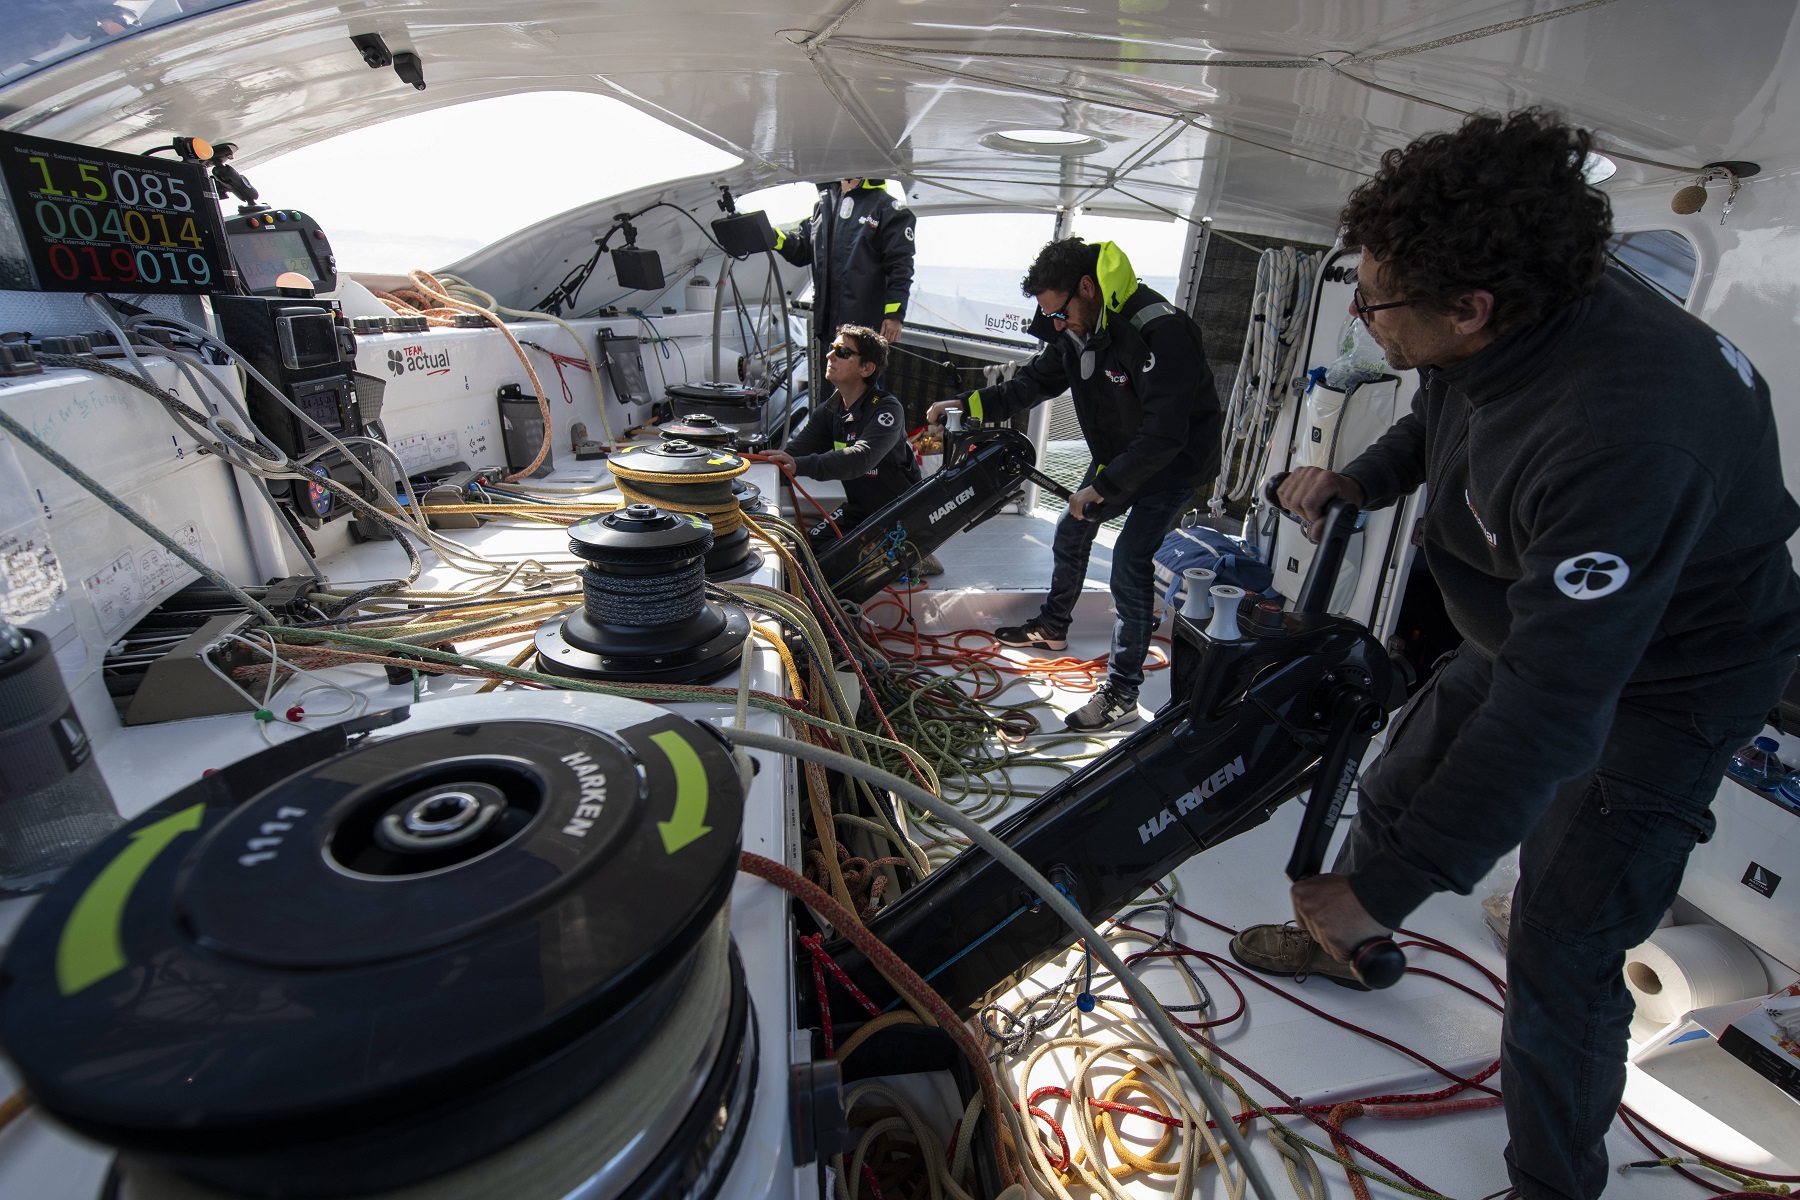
<point x="1685" y="967"/>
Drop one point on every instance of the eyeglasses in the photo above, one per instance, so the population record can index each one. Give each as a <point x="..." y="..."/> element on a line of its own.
<point x="1363" y="310"/>
<point x="1061" y="314"/>
<point x="844" y="352"/>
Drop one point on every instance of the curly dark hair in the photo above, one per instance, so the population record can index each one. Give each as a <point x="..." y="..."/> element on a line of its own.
<point x="1498" y="205"/>
<point x="1060" y="266"/>
<point x="871" y="347"/>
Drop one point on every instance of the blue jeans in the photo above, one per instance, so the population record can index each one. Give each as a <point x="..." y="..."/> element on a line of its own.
<point x="1148" y="520"/>
<point x="1596" y="873"/>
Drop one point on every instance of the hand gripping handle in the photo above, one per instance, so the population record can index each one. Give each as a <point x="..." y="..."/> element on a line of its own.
<point x="1378" y="962"/>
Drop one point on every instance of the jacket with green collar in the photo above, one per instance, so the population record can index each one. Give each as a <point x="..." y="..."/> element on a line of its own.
<point x="860" y="247"/>
<point x="1142" y="388"/>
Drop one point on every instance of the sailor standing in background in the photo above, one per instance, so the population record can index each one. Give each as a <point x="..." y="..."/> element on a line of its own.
<point x="859" y="243"/>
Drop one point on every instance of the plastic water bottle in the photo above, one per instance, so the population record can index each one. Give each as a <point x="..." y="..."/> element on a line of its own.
<point x="1758" y="765"/>
<point x="1789" y="790"/>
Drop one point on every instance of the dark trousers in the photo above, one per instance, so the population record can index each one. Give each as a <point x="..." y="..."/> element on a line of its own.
<point x="1148" y="520"/>
<point x="1596" y="874"/>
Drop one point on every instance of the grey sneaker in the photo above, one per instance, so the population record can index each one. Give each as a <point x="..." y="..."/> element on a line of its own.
<point x="1031" y="635"/>
<point x="1107" y="709"/>
<point x="1290" y="950"/>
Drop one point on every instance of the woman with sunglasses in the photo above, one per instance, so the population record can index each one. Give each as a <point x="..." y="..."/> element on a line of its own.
<point x="858" y="435"/>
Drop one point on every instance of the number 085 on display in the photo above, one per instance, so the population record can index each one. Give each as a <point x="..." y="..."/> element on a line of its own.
<point x="93" y="220"/>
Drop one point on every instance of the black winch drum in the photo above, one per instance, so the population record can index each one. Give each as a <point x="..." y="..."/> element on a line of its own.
<point x="475" y="948"/>
<point x="645" y="616"/>
<point x="699" y="396"/>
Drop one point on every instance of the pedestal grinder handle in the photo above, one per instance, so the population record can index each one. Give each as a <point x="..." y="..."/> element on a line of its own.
<point x="1355" y="717"/>
<point x="1378" y="962"/>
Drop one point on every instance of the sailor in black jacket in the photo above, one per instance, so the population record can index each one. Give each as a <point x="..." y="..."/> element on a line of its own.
<point x="859" y="243"/>
<point x="1150" y="415"/>
<point x="858" y="435"/>
<point x="1608" y="523"/>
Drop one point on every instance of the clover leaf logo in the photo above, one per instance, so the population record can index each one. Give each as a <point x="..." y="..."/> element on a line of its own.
<point x="1591" y="576"/>
<point x="1740" y="362"/>
<point x="396" y="362"/>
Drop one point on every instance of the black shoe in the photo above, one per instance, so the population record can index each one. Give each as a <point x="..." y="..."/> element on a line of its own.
<point x="1031" y="635"/>
<point x="1106" y="710"/>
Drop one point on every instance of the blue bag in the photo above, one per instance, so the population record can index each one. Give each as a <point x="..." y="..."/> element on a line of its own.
<point x="1199" y="546"/>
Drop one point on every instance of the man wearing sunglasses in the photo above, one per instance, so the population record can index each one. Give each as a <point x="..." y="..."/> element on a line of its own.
<point x="858" y="435"/>
<point x="1607" y="521"/>
<point x="1150" y="415"/>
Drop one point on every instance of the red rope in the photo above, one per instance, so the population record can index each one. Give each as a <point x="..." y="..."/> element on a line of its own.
<point x="905" y="980"/>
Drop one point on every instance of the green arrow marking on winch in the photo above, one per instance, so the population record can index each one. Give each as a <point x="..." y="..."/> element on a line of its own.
<point x="89" y="950"/>
<point x="688" y="824"/>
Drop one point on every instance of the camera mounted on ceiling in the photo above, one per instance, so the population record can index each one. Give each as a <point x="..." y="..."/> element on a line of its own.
<point x="375" y="53"/>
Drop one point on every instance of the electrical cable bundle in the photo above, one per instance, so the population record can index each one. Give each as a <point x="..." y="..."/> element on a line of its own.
<point x="229" y="432"/>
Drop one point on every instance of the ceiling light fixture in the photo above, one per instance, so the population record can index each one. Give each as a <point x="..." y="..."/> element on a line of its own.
<point x="1052" y="143"/>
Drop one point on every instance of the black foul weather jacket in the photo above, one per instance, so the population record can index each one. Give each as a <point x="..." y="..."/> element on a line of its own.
<point x="1143" y="391"/>
<point x="865" y="447"/>
<point x="860" y="248"/>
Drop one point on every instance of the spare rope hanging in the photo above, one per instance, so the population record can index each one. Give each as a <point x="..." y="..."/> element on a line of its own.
<point x="1278" y="311"/>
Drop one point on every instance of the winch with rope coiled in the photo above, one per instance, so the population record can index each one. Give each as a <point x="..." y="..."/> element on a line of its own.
<point x="683" y="476"/>
<point x="645" y="616"/>
<point x="254" y="991"/>
<point x="702" y="429"/>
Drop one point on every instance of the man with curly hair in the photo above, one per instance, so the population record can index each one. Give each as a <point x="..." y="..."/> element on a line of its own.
<point x="1608" y="524"/>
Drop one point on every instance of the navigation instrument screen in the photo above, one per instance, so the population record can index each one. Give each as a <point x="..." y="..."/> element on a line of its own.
<point x="321" y="403"/>
<point x="262" y="257"/>
<point x="80" y="219"/>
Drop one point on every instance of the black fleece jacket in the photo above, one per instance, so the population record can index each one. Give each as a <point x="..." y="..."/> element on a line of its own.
<point x="1608" y="523"/>
<point x="1144" y="397"/>
<point x="864" y="446"/>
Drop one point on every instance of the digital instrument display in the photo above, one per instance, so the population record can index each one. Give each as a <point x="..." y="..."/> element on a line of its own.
<point x="93" y="220"/>
<point x="307" y="337"/>
<point x="267" y="243"/>
<point x="264" y="257"/>
<point x="321" y="402"/>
